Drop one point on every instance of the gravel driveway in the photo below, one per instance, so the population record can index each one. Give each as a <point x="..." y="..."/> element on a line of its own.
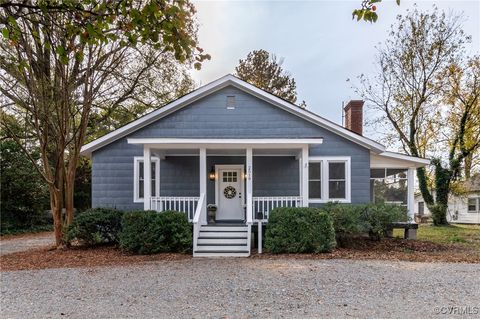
<point x="22" y="243"/>
<point x="242" y="288"/>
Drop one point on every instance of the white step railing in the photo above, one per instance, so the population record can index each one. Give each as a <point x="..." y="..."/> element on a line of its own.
<point x="265" y="205"/>
<point x="188" y="205"/>
<point x="199" y="218"/>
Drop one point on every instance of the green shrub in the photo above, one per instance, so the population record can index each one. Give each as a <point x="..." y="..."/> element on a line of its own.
<point x="149" y="232"/>
<point x="377" y="217"/>
<point x="299" y="230"/>
<point x="347" y="221"/>
<point x="96" y="226"/>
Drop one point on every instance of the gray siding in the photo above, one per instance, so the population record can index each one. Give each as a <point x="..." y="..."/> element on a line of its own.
<point x="112" y="172"/>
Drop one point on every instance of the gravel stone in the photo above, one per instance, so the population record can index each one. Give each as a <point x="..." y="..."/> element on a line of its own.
<point x="23" y="243"/>
<point x="242" y="288"/>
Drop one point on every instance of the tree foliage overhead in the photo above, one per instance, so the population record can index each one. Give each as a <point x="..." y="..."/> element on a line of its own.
<point x="367" y="11"/>
<point x="63" y="63"/>
<point x="264" y="70"/>
<point x="427" y="94"/>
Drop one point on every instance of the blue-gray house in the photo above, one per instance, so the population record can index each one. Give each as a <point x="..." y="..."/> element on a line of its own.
<point x="233" y="145"/>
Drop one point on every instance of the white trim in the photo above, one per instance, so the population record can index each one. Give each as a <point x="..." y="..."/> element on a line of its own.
<point x="396" y="160"/>
<point x="217" y="178"/>
<point x="304" y="172"/>
<point x="324" y="167"/>
<point x="203" y="181"/>
<point x="249" y="186"/>
<point x="411" y="194"/>
<point x="244" y="86"/>
<point x="136" y="161"/>
<point x="225" y="143"/>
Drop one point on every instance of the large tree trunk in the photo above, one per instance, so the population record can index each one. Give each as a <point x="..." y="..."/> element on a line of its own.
<point x="56" y="207"/>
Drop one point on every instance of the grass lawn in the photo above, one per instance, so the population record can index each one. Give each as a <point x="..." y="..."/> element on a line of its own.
<point x="465" y="235"/>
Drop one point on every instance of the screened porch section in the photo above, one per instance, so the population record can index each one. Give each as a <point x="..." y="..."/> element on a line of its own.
<point x="389" y="185"/>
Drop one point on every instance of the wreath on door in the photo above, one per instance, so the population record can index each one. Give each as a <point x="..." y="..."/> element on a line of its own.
<point x="229" y="192"/>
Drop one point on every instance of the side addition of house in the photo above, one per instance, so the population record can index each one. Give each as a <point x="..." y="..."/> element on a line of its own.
<point x="237" y="147"/>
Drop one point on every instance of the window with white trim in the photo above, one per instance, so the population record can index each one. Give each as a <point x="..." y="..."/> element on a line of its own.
<point x="474" y="205"/>
<point x="329" y="179"/>
<point x="139" y="181"/>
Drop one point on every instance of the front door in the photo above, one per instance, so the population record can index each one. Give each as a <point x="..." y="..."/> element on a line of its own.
<point x="229" y="193"/>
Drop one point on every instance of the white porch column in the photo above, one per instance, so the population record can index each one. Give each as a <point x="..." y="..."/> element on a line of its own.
<point x="249" y="173"/>
<point x="203" y="179"/>
<point x="147" y="177"/>
<point x="304" y="176"/>
<point x="410" y="193"/>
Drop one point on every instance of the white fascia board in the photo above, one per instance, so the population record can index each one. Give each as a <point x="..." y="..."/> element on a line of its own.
<point x="215" y="86"/>
<point x="179" y="143"/>
<point x="391" y="159"/>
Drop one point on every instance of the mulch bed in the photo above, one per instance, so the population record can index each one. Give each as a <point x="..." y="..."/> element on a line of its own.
<point x="393" y="249"/>
<point x="359" y="249"/>
<point x="78" y="257"/>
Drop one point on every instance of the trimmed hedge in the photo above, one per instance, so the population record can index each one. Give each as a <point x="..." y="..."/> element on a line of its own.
<point x="96" y="226"/>
<point x="299" y="230"/>
<point x="149" y="232"/>
<point x="377" y="217"/>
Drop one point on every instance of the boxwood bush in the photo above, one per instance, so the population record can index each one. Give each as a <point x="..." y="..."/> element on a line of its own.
<point x="372" y="219"/>
<point x="96" y="226"/>
<point x="149" y="232"/>
<point x="378" y="216"/>
<point x="299" y="230"/>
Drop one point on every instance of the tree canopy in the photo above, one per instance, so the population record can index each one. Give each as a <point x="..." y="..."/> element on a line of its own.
<point x="64" y="63"/>
<point x="264" y="70"/>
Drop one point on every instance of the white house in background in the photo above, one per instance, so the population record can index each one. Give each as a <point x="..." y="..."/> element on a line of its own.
<point x="462" y="209"/>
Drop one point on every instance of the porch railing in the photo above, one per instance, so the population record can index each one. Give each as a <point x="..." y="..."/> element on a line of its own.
<point x="188" y="205"/>
<point x="262" y="206"/>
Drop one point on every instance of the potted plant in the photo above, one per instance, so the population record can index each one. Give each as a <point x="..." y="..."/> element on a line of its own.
<point x="211" y="212"/>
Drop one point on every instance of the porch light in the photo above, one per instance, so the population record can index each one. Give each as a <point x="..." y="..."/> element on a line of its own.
<point x="211" y="175"/>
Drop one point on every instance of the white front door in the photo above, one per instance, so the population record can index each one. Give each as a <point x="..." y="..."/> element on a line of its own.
<point x="229" y="192"/>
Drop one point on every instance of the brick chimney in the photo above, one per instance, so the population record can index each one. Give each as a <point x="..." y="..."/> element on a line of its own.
<point x="354" y="116"/>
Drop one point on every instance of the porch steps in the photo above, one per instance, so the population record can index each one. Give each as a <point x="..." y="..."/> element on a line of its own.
<point x="222" y="241"/>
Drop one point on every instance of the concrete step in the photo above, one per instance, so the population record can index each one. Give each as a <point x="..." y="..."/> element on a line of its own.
<point x="222" y="234"/>
<point x="220" y="240"/>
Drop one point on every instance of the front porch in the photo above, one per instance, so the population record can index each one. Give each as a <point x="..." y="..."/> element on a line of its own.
<point x="244" y="179"/>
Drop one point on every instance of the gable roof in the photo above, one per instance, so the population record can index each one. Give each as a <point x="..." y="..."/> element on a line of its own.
<point x="230" y="80"/>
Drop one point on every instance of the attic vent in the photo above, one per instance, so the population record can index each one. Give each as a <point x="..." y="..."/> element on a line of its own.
<point x="231" y="102"/>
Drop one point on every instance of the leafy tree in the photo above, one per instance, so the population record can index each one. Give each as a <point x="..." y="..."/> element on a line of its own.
<point x="24" y="195"/>
<point x="415" y="92"/>
<point x="61" y="61"/>
<point x="265" y="71"/>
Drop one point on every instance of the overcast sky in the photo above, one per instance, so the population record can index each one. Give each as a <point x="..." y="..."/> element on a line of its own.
<point x="320" y="42"/>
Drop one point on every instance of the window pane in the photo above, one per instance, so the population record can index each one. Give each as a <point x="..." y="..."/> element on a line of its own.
<point x="397" y="173"/>
<point x="140" y="189"/>
<point x="336" y="170"/>
<point x="377" y="173"/>
<point x="314" y="171"/>
<point x="394" y="193"/>
<point x="336" y="189"/>
<point x="315" y="189"/>
<point x="472" y="205"/>
<point x="154" y="188"/>
<point x="140" y="170"/>
<point x="421" y="208"/>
